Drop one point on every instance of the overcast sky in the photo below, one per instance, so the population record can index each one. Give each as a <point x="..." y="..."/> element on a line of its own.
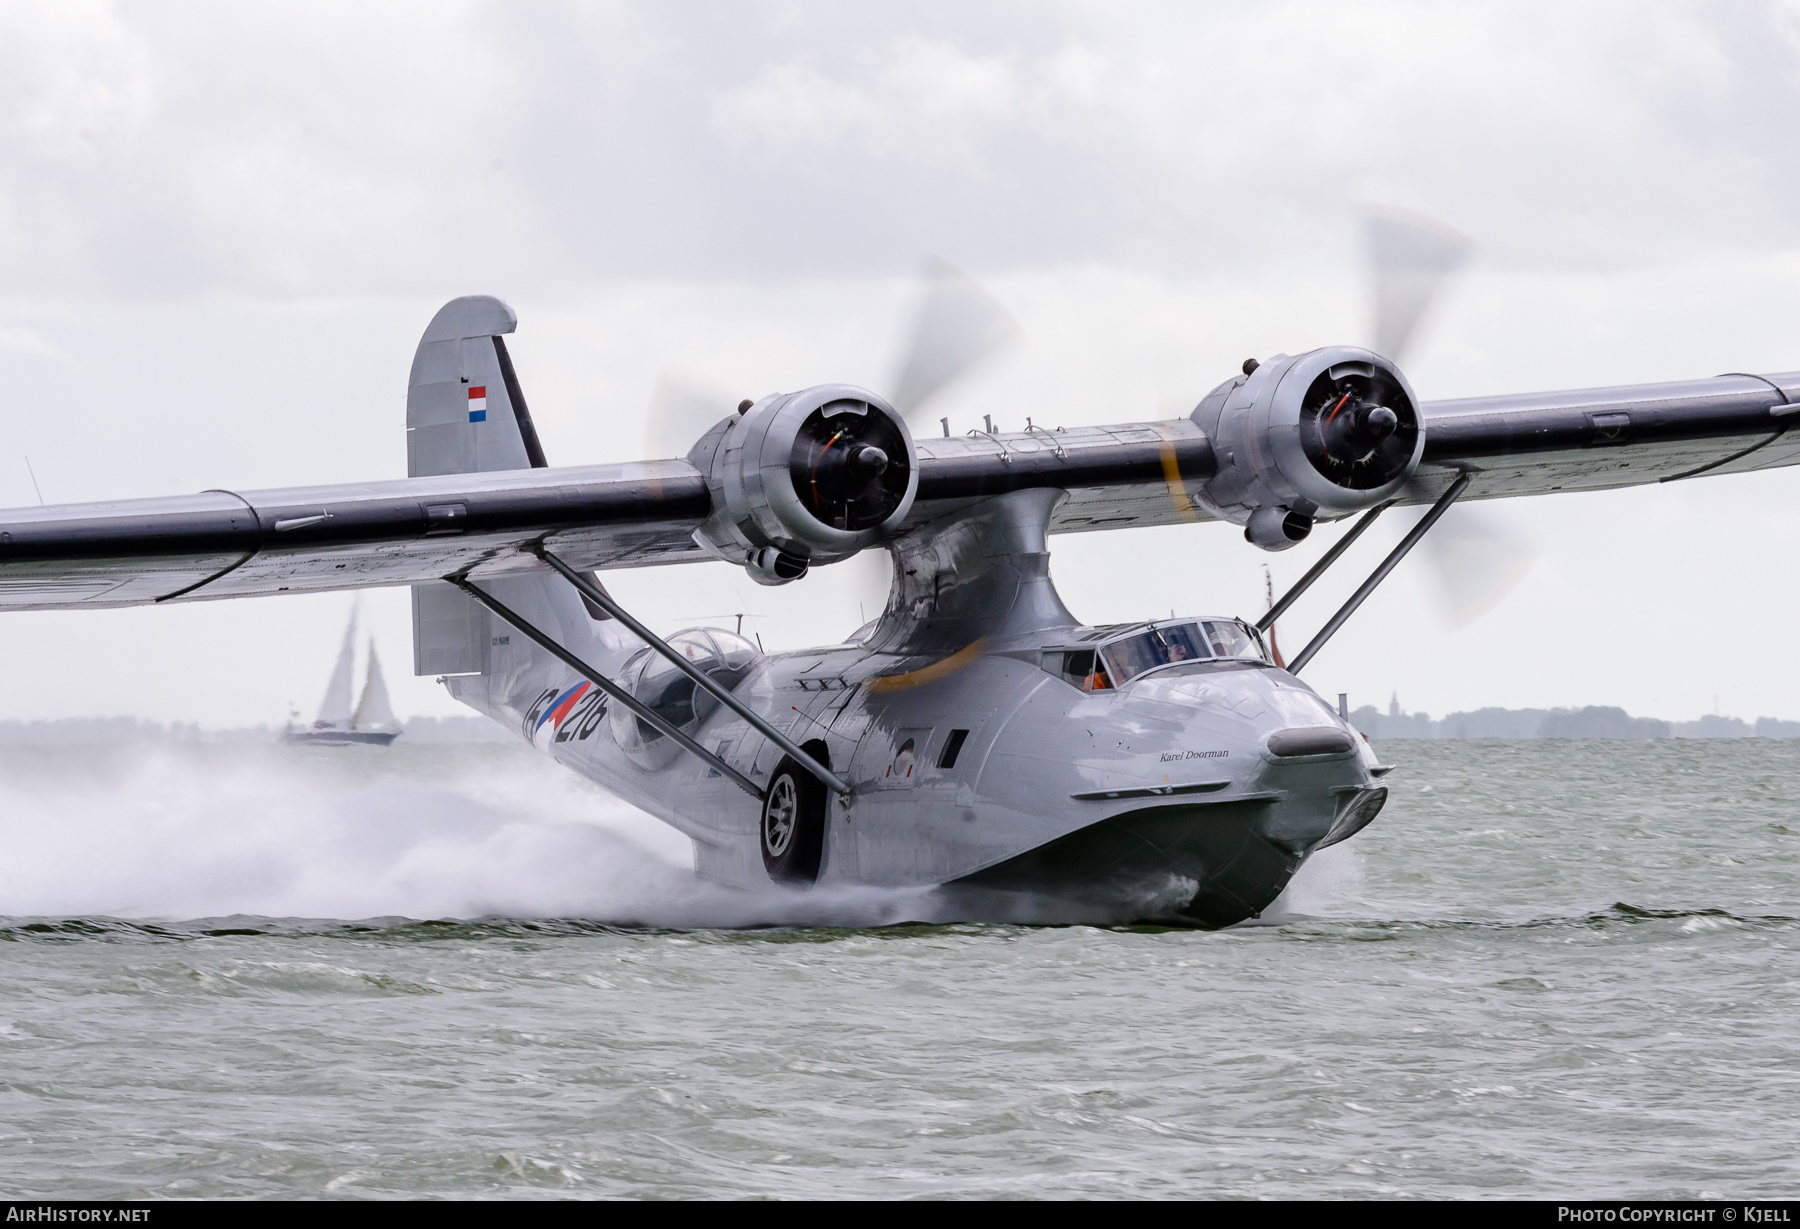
<point x="222" y="228"/>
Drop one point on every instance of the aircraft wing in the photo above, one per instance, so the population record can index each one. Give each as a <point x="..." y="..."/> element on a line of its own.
<point x="222" y="544"/>
<point x="1517" y="444"/>
<point x="1593" y="439"/>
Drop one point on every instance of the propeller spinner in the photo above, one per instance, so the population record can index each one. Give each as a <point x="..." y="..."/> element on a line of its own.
<point x="849" y="466"/>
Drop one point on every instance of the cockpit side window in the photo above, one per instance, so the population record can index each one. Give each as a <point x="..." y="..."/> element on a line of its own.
<point x="1077" y="665"/>
<point x="1078" y="668"/>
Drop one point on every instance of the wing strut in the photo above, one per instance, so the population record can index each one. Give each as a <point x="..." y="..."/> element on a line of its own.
<point x="599" y="597"/>
<point x="1379" y="574"/>
<point x="605" y="684"/>
<point x="1318" y="569"/>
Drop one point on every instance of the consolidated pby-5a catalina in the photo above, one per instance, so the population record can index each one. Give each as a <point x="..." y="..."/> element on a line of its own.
<point x="975" y="737"/>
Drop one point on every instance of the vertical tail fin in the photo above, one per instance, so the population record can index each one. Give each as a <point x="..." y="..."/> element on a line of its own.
<point x="464" y="414"/>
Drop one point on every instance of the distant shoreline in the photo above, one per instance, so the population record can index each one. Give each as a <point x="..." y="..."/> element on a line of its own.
<point x="1590" y="722"/>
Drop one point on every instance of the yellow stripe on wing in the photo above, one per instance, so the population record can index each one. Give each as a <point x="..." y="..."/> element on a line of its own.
<point x="1184" y="507"/>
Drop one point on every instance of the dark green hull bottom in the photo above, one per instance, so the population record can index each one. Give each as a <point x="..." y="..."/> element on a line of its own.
<point x="1217" y="846"/>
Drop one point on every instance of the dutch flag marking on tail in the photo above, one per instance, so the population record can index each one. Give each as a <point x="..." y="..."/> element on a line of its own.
<point x="478" y="403"/>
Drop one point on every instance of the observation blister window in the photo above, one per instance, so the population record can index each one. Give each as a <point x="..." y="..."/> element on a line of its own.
<point x="671" y="694"/>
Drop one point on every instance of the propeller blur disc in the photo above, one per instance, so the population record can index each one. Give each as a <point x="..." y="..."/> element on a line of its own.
<point x="681" y="411"/>
<point x="1478" y="560"/>
<point x="959" y="327"/>
<point x="1413" y="257"/>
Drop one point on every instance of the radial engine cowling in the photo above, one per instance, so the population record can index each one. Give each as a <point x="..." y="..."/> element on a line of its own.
<point x="803" y="478"/>
<point x="1309" y="436"/>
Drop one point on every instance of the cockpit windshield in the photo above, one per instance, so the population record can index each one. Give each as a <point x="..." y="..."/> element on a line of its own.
<point x="1130" y="656"/>
<point x="1159" y="646"/>
<point x="1232" y="639"/>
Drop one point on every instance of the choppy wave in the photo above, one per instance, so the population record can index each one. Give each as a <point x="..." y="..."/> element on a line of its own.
<point x="475" y="930"/>
<point x="1548" y="970"/>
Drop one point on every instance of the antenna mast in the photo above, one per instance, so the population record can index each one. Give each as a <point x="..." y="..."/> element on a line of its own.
<point x="1269" y="597"/>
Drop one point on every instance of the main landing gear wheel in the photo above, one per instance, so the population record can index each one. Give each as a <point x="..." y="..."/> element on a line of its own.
<point x="793" y="824"/>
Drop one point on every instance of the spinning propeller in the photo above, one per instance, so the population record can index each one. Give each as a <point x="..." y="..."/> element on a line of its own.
<point x="846" y="474"/>
<point x="842" y="463"/>
<point x="1476" y="558"/>
<point x="959" y="327"/>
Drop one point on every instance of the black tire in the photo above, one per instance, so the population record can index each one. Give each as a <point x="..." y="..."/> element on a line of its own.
<point x="792" y="833"/>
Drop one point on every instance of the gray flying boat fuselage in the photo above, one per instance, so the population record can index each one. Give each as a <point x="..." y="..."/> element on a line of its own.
<point x="1044" y="769"/>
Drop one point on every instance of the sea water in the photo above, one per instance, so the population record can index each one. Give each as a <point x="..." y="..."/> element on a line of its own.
<point x="1549" y="969"/>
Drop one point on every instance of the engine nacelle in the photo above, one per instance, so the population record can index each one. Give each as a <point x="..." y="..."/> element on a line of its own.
<point x="1310" y="436"/>
<point x="803" y="478"/>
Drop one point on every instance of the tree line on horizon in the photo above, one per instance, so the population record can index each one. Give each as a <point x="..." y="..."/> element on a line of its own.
<point x="1594" y="721"/>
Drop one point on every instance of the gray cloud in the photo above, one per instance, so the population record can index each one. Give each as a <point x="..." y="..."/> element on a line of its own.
<point x="222" y="226"/>
<point x="398" y="149"/>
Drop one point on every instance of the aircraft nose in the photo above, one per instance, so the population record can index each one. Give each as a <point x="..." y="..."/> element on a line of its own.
<point x="1326" y="794"/>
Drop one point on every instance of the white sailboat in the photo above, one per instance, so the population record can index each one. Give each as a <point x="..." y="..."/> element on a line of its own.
<point x="372" y="722"/>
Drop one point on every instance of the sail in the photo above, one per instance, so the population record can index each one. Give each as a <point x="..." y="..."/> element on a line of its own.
<point x="334" y="709"/>
<point x="374" y="711"/>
